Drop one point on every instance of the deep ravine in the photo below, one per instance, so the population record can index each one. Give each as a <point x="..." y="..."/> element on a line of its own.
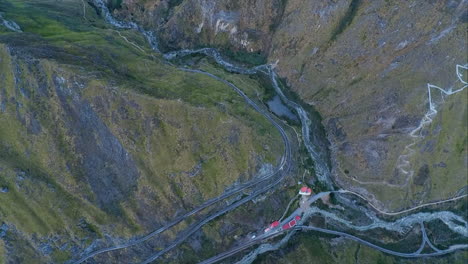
<point x="453" y="221"/>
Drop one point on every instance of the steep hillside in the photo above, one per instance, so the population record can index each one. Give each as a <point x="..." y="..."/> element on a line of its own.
<point x="364" y="65"/>
<point x="104" y="139"/>
<point x="101" y="141"/>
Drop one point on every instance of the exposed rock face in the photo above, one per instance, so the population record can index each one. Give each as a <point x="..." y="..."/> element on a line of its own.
<point x="364" y="65"/>
<point x="246" y="25"/>
<point x="108" y="167"/>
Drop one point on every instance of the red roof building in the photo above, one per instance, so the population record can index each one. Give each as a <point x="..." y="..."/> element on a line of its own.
<point x="291" y="223"/>
<point x="305" y="191"/>
<point x="272" y="226"/>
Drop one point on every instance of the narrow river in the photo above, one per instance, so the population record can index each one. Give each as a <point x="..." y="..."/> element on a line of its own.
<point x="455" y="223"/>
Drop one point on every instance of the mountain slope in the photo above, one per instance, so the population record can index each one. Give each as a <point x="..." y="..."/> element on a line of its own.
<point x="364" y="65"/>
<point x="101" y="141"/>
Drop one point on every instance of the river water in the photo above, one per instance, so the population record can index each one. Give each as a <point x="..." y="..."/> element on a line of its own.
<point x="281" y="105"/>
<point x="278" y="108"/>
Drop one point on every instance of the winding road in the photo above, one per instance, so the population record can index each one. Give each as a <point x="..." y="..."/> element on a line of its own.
<point x="416" y="254"/>
<point x="274" y="233"/>
<point x="282" y="169"/>
<point x="270" y="181"/>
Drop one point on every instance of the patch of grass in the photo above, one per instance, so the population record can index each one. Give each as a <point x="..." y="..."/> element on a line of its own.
<point x="2" y="252"/>
<point x="174" y="3"/>
<point x="191" y="124"/>
<point x="114" y="4"/>
<point x="248" y="58"/>
<point x="39" y="215"/>
<point x="356" y="80"/>
<point x="303" y="246"/>
<point x="60" y="256"/>
<point x="346" y="20"/>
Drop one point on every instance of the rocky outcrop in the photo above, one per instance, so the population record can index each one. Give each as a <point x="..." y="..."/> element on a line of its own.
<point x="242" y="25"/>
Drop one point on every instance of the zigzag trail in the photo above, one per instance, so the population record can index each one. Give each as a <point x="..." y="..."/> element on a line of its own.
<point x="403" y="162"/>
<point x="456" y="223"/>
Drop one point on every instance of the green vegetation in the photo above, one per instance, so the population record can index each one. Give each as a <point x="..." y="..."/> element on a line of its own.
<point x="248" y="58"/>
<point x="114" y="4"/>
<point x="301" y="247"/>
<point x="60" y="256"/>
<point x="346" y="20"/>
<point x="443" y="150"/>
<point x="2" y="252"/>
<point x="306" y="246"/>
<point x="168" y="121"/>
<point x="174" y="3"/>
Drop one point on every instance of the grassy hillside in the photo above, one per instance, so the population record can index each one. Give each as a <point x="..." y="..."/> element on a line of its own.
<point x="364" y="65"/>
<point x="101" y="139"/>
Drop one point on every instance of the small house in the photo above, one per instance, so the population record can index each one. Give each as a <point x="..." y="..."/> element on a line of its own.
<point x="305" y="191"/>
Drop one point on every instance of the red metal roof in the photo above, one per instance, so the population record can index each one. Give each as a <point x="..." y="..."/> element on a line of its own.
<point x="290" y="224"/>
<point x="274" y="224"/>
<point x="305" y="190"/>
<point x="297" y="217"/>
